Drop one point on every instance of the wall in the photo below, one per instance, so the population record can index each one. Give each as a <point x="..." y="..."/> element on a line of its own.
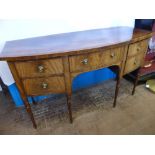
<point x="19" y="29"/>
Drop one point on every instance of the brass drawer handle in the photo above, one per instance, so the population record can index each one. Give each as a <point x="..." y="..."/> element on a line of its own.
<point x="112" y="55"/>
<point x="41" y="68"/>
<point x="85" y="61"/>
<point x="44" y="85"/>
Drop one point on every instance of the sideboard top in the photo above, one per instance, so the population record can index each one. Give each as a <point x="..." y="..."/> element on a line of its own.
<point x="60" y="44"/>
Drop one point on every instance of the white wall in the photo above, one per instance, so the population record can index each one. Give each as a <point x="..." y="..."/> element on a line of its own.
<point x="19" y="29"/>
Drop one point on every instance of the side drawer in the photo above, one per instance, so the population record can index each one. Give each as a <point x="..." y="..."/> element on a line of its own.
<point x="133" y="63"/>
<point x="40" y="86"/>
<point x="138" y="48"/>
<point x="39" y="68"/>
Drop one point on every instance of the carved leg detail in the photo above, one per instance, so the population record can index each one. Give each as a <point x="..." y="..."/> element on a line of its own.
<point x="69" y="107"/>
<point x="135" y="82"/>
<point x="117" y="88"/>
<point x="29" y="111"/>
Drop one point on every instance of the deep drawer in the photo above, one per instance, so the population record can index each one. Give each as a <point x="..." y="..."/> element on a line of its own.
<point x="40" y="86"/>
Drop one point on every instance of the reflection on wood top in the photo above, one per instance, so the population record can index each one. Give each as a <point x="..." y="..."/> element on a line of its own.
<point x="59" y="44"/>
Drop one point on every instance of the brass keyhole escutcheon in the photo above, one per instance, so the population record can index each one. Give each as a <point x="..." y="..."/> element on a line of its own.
<point x="41" y="68"/>
<point x="44" y="85"/>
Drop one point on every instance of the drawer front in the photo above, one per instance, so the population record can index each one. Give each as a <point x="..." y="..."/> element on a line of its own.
<point x="83" y="62"/>
<point x="95" y="60"/>
<point x="133" y="63"/>
<point x="39" y="86"/>
<point x="39" y="68"/>
<point x="112" y="56"/>
<point x="138" y="48"/>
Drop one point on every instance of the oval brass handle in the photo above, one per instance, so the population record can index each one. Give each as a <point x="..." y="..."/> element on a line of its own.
<point x="85" y="61"/>
<point x="44" y="85"/>
<point x="112" y="55"/>
<point x="40" y="68"/>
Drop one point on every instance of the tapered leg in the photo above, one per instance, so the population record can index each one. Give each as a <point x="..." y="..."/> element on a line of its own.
<point x="69" y="107"/>
<point x="135" y="82"/>
<point x="22" y="92"/>
<point x="117" y="88"/>
<point x="29" y="111"/>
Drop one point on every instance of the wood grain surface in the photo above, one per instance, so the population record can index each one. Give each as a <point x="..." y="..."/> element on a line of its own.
<point x="60" y="44"/>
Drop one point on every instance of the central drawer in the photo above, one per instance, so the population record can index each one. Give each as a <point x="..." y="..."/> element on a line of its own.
<point x="40" y="86"/>
<point x="39" y="68"/>
<point x="96" y="59"/>
<point x="133" y="63"/>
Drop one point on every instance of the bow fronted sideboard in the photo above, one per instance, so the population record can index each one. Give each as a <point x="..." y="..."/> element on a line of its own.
<point x="48" y="64"/>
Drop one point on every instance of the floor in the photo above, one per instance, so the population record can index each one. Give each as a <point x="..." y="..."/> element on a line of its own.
<point x="92" y="113"/>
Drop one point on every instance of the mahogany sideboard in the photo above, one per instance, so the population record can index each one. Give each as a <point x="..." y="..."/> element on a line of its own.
<point x="48" y="64"/>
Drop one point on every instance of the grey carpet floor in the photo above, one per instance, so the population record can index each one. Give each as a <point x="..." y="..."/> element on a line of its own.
<point x="92" y="112"/>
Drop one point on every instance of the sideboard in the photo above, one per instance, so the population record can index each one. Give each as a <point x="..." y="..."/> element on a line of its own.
<point x="48" y="64"/>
